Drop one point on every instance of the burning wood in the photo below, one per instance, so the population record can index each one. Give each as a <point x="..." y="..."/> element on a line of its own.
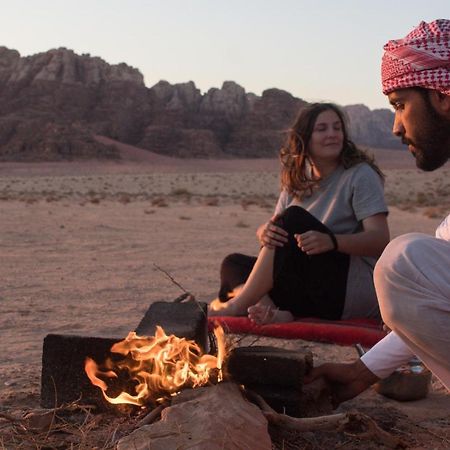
<point x="63" y="378"/>
<point x="160" y="366"/>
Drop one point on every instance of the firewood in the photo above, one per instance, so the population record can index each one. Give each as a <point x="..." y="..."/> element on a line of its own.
<point x="151" y="416"/>
<point x="331" y="422"/>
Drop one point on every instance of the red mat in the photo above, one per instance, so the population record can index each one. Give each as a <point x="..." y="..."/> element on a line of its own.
<point x="366" y="332"/>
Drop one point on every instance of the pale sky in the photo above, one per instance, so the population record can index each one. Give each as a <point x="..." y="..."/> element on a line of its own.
<point x="317" y="50"/>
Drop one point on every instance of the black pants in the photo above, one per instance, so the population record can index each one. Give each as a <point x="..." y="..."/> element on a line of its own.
<point x="307" y="286"/>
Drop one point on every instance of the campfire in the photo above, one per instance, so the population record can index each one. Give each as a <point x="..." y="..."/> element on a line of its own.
<point x="181" y="396"/>
<point x="159" y="366"/>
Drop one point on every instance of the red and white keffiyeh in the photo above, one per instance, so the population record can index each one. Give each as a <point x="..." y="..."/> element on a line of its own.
<point x="420" y="59"/>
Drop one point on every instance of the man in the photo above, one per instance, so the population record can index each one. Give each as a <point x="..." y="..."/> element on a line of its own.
<point x="412" y="277"/>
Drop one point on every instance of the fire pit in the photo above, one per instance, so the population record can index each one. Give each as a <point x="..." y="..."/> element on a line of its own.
<point x="202" y="399"/>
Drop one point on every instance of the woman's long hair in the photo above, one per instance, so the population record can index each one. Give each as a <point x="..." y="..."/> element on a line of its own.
<point x="294" y="155"/>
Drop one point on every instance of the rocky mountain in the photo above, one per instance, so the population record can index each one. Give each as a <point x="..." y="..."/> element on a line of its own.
<point x="52" y="105"/>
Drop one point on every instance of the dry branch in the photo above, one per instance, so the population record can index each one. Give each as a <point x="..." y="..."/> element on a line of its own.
<point x="151" y="416"/>
<point x="331" y="422"/>
<point x="170" y="277"/>
<point x="186" y="294"/>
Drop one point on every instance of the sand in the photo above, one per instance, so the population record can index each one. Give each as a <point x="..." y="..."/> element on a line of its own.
<point x="78" y="244"/>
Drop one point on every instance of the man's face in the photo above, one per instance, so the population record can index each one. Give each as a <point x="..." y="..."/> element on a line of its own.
<point x="421" y="127"/>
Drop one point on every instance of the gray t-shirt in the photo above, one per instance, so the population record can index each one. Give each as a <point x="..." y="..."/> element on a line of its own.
<point x="343" y="200"/>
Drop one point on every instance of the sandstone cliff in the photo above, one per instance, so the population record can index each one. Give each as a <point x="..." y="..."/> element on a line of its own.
<point x="52" y="103"/>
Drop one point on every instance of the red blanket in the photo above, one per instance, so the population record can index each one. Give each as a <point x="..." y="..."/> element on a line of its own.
<point x="366" y="332"/>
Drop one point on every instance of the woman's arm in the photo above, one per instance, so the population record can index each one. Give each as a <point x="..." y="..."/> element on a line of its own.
<point x="369" y="242"/>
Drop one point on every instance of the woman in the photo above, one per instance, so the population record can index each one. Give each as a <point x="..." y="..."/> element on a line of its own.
<point x="319" y="249"/>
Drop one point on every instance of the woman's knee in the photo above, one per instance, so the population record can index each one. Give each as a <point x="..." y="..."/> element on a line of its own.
<point x="296" y="219"/>
<point x="234" y="271"/>
<point x="235" y="260"/>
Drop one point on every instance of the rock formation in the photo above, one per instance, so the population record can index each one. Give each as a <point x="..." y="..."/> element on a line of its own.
<point x="52" y="103"/>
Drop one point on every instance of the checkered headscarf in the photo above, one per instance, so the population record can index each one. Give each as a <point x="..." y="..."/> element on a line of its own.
<point x="420" y="59"/>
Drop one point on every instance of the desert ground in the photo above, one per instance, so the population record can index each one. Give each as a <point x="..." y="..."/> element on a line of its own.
<point x="79" y="242"/>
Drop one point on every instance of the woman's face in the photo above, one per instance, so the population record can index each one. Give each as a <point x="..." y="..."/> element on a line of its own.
<point x="327" y="138"/>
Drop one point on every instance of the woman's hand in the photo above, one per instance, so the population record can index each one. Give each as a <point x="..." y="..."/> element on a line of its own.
<point x="314" y="242"/>
<point x="270" y="235"/>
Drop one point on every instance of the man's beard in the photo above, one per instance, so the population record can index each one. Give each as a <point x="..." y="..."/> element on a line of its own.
<point x="432" y="143"/>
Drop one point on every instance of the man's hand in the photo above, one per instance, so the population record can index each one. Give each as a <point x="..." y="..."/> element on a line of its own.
<point x="345" y="380"/>
<point x="270" y="235"/>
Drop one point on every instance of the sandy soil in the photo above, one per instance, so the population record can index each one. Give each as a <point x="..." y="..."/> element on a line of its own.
<point x="78" y="244"/>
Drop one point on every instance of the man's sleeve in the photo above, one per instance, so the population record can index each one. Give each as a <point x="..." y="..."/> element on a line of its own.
<point x="386" y="356"/>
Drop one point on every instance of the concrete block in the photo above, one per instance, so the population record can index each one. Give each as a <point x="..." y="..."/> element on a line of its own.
<point x="269" y="366"/>
<point x="188" y="320"/>
<point x="63" y="377"/>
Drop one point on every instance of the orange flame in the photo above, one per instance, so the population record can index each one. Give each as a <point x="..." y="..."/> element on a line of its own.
<point x="158" y="365"/>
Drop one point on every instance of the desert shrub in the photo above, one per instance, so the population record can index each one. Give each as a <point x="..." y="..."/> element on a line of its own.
<point x="181" y="192"/>
<point x="433" y="212"/>
<point x="160" y="202"/>
<point x="212" y="201"/>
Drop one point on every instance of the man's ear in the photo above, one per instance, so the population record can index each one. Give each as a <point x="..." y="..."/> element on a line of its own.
<point x="441" y="102"/>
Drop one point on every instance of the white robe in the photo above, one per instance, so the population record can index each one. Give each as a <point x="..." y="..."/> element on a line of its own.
<point x="412" y="279"/>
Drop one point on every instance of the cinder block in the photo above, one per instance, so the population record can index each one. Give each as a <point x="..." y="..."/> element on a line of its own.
<point x="188" y="320"/>
<point x="63" y="377"/>
<point x="269" y="366"/>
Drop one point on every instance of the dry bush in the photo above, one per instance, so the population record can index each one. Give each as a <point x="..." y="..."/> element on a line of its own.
<point x="160" y="202"/>
<point x="211" y="201"/>
<point x="124" y="198"/>
<point x="52" y="198"/>
<point x="434" y="212"/>
<point x="181" y="192"/>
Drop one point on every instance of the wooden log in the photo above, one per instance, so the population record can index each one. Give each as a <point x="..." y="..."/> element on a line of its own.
<point x="269" y="366"/>
<point x="338" y="422"/>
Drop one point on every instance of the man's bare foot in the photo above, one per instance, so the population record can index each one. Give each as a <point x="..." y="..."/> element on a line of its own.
<point x="263" y="314"/>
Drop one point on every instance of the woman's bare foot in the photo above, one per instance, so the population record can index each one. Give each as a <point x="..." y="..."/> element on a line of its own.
<point x="233" y="307"/>
<point x="218" y="307"/>
<point x="264" y="313"/>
